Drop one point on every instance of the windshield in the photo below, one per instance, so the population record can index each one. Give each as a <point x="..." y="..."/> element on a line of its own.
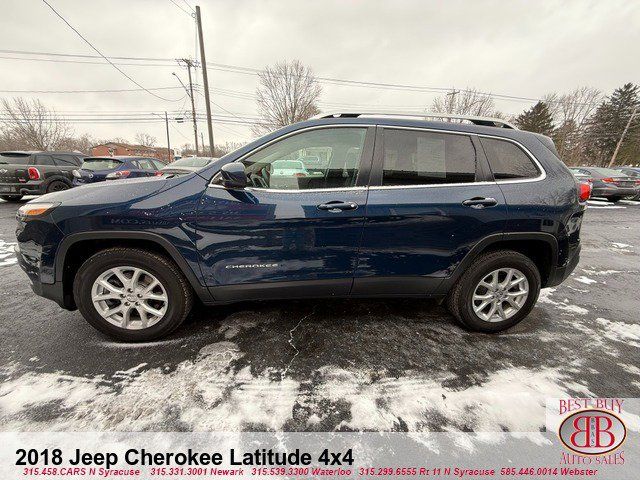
<point x="14" y="158"/>
<point x="190" y="162"/>
<point x="100" y="163"/>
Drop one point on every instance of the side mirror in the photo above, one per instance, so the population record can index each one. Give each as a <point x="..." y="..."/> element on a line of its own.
<point x="233" y="176"/>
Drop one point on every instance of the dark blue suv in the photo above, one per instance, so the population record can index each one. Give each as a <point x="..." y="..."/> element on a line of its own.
<point x="481" y="215"/>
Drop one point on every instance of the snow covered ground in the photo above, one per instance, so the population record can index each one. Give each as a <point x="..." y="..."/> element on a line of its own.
<point x="329" y="365"/>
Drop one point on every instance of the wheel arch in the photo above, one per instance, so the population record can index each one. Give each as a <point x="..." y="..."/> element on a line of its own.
<point x="76" y="248"/>
<point x="540" y="247"/>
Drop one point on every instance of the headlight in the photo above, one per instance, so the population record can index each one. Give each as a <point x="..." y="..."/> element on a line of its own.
<point x="36" y="209"/>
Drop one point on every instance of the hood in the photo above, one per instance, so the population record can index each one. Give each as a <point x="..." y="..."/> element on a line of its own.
<point x="107" y="192"/>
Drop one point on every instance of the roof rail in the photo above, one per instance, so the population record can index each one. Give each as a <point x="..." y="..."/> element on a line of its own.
<point x="484" y="121"/>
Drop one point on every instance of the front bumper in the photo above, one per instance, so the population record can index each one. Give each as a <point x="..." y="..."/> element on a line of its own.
<point x="52" y="291"/>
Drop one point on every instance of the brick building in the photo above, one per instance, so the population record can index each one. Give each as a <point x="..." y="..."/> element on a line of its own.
<point x="112" y="149"/>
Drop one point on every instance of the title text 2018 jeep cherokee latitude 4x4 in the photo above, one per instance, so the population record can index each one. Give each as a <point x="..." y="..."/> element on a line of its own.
<point x="483" y="215"/>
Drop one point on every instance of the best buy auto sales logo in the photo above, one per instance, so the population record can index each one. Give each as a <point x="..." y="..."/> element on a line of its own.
<point x="592" y="432"/>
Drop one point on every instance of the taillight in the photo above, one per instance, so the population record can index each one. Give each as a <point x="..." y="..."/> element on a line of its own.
<point x="34" y="173"/>
<point x="608" y="180"/>
<point x="159" y="173"/>
<point x="637" y="182"/>
<point x="299" y="174"/>
<point x="584" y="191"/>
<point x="119" y="174"/>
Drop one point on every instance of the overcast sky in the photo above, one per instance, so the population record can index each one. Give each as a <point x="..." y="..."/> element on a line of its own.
<point x="520" y="48"/>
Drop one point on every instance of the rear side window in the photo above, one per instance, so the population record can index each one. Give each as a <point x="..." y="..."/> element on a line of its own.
<point x="44" y="160"/>
<point x="424" y="158"/>
<point x="146" y="164"/>
<point x="508" y="161"/>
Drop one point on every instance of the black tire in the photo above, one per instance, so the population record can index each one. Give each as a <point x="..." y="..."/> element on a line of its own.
<point x="177" y="287"/>
<point x="57" y="186"/>
<point x="11" y="198"/>
<point x="459" y="301"/>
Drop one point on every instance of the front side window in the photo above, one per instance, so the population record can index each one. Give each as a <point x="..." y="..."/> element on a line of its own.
<point x="508" y="161"/>
<point x="414" y="157"/>
<point x="322" y="158"/>
<point x="146" y="164"/>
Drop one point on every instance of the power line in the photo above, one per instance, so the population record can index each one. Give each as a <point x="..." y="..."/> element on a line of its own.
<point x="110" y="90"/>
<point x="178" y="5"/>
<point x="321" y="79"/>
<point x="101" y="54"/>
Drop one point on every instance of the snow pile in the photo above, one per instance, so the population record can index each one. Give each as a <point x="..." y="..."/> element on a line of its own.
<point x="7" y="254"/>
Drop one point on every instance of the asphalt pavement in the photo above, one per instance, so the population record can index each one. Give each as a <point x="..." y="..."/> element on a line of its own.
<point x="329" y="364"/>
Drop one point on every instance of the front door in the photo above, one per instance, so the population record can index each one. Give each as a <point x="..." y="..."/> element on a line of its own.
<point x="296" y="229"/>
<point x="431" y="200"/>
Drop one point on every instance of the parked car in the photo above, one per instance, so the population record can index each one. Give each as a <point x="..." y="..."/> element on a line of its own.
<point x="607" y="182"/>
<point x="99" y="169"/>
<point x="480" y="215"/>
<point x="186" y="165"/>
<point x="36" y="173"/>
<point x="633" y="172"/>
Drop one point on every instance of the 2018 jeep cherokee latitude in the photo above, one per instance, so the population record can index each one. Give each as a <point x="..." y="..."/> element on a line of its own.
<point x="481" y="215"/>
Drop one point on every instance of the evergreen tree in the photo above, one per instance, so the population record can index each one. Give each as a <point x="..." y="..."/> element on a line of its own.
<point x="537" y="119"/>
<point x="607" y="124"/>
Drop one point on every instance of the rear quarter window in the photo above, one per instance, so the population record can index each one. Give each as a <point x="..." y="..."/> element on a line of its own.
<point x="508" y="161"/>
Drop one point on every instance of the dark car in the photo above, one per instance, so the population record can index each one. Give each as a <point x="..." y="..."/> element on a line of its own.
<point x="99" y="169"/>
<point x="607" y="182"/>
<point x="186" y="165"/>
<point x="482" y="215"/>
<point x="36" y="173"/>
<point x="633" y="172"/>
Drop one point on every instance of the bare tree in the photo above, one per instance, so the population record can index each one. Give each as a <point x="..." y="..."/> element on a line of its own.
<point x="571" y="112"/>
<point x="465" y="102"/>
<point x="30" y="125"/>
<point x="83" y="143"/>
<point x="287" y="93"/>
<point x="145" y="139"/>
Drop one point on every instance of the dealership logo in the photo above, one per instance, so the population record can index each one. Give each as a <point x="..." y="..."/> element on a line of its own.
<point x="592" y="432"/>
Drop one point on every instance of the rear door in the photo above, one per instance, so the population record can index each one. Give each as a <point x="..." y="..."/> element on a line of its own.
<point x="431" y="200"/>
<point x="289" y="234"/>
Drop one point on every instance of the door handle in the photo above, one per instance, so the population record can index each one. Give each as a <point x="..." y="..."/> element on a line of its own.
<point x="335" y="207"/>
<point x="480" y="202"/>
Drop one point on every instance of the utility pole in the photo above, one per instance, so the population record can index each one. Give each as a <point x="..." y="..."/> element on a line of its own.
<point x="205" y="80"/>
<point x="624" y="133"/>
<point x="170" y="154"/>
<point x="189" y="64"/>
<point x="204" y="154"/>
<point x="166" y="122"/>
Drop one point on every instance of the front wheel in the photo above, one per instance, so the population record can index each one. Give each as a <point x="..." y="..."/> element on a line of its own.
<point x="497" y="291"/>
<point x="132" y="294"/>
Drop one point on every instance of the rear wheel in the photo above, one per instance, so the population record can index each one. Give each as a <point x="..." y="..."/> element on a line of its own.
<point x="57" y="186"/>
<point x="497" y="291"/>
<point x="132" y="294"/>
<point x="11" y="198"/>
<point x="615" y="199"/>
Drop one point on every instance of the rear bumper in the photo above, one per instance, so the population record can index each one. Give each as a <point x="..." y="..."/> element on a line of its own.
<point x="27" y="188"/>
<point x="614" y="192"/>
<point x="560" y="273"/>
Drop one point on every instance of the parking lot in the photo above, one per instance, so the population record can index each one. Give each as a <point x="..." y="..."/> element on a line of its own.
<point x="329" y="365"/>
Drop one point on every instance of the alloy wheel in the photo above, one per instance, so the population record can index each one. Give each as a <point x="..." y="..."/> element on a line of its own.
<point x="129" y="297"/>
<point x="500" y="295"/>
